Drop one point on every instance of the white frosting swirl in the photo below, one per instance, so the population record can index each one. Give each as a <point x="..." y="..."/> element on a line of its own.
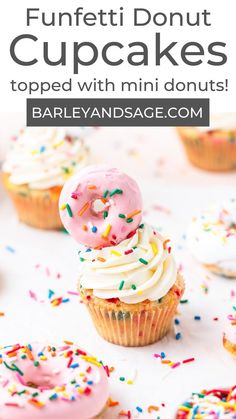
<point x="111" y="273"/>
<point x="212" y="236"/>
<point x="221" y="121"/>
<point x="45" y="157"/>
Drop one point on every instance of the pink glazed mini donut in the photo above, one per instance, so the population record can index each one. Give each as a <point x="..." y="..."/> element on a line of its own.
<point x="46" y="382"/>
<point x="100" y="206"/>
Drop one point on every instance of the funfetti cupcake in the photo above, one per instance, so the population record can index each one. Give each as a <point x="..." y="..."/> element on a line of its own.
<point x="128" y="278"/>
<point x="36" y="168"/>
<point x="214" y="147"/>
<point x="211" y="238"/>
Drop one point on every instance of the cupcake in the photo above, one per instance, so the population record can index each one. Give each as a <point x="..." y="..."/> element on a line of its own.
<point x="128" y="277"/>
<point x="37" y="166"/>
<point x="46" y="381"/>
<point x="214" y="147"/>
<point x="211" y="238"/>
<point x="229" y="335"/>
<point x="211" y="404"/>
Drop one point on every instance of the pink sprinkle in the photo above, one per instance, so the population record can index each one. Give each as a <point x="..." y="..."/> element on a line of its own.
<point x="20" y="379"/>
<point x="65" y="400"/>
<point x="58" y="275"/>
<point x="157" y="356"/>
<point x="72" y="293"/>
<point x="37" y="266"/>
<point x="5" y="383"/>
<point x="177" y="364"/>
<point x="47" y="271"/>
<point x="232" y="293"/>
<point x="32" y="295"/>
<point x="162" y="209"/>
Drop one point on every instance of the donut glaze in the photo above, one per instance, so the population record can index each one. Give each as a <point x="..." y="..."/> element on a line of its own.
<point x="50" y="383"/>
<point x="117" y="194"/>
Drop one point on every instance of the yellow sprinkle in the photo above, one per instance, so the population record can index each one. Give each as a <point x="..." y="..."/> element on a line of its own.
<point x="43" y="358"/>
<point x="63" y="206"/>
<point x="91" y="360"/>
<point x="130" y="382"/>
<point x="59" y="389"/>
<point x="81" y="374"/>
<point x="114" y="252"/>
<point x="107" y="231"/>
<point x="34" y="152"/>
<point x="140" y="292"/>
<point x="80" y="390"/>
<point x="154" y="248"/>
<point x="58" y="144"/>
<point x="184" y="409"/>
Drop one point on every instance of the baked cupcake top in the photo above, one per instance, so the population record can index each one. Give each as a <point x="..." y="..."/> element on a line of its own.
<point x="212" y="236"/>
<point x="45" y="157"/>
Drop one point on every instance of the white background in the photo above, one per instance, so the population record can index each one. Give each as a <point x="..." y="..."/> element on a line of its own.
<point x="173" y="191"/>
<point x="13" y="23"/>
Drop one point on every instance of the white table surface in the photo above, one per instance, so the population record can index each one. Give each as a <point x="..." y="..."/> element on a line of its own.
<point x="173" y="191"/>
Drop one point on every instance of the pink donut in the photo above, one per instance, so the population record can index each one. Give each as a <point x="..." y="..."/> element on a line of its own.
<point x="100" y="206"/>
<point x="46" y="382"/>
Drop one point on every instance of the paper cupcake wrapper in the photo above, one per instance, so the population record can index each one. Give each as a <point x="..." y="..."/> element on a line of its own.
<point x="135" y="326"/>
<point x="36" y="208"/>
<point x="208" y="153"/>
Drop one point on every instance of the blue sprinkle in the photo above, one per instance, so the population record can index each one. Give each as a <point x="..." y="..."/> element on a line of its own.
<point x="40" y="354"/>
<point x="65" y="300"/>
<point x="163" y="355"/>
<point x="0" y="356"/>
<point x="90" y="382"/>
<point x="50" y="293"/>
<point x="77" y="385"/>
<point x="10" y="249"/>
<point x="177" y="321"/>
<point x="178" y="336"/>
<point x="42" y="149"/>
<point x="30" y="347"/>
<point x="94" y="229"/>
<point x="139" y="409"/>
<point x="53" y="396"/>
<point x="197" y="317"/>
<point x="76" y="365"/>
<point x="88" y="250"/>
<point x="73" y="398"/>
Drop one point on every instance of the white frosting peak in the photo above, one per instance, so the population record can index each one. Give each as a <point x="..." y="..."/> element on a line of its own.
<point x="136" y="269"/>
<point x="45" y="157"/>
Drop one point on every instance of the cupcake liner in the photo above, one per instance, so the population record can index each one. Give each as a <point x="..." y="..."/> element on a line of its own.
<point x="210" y="151"/>
<point x="138" y="324"/>
<point x="37" y="208"/>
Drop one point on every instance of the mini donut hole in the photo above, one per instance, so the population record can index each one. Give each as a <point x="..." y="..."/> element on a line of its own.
<point x="43" y="378"/>
<point x="99" y="205"/>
